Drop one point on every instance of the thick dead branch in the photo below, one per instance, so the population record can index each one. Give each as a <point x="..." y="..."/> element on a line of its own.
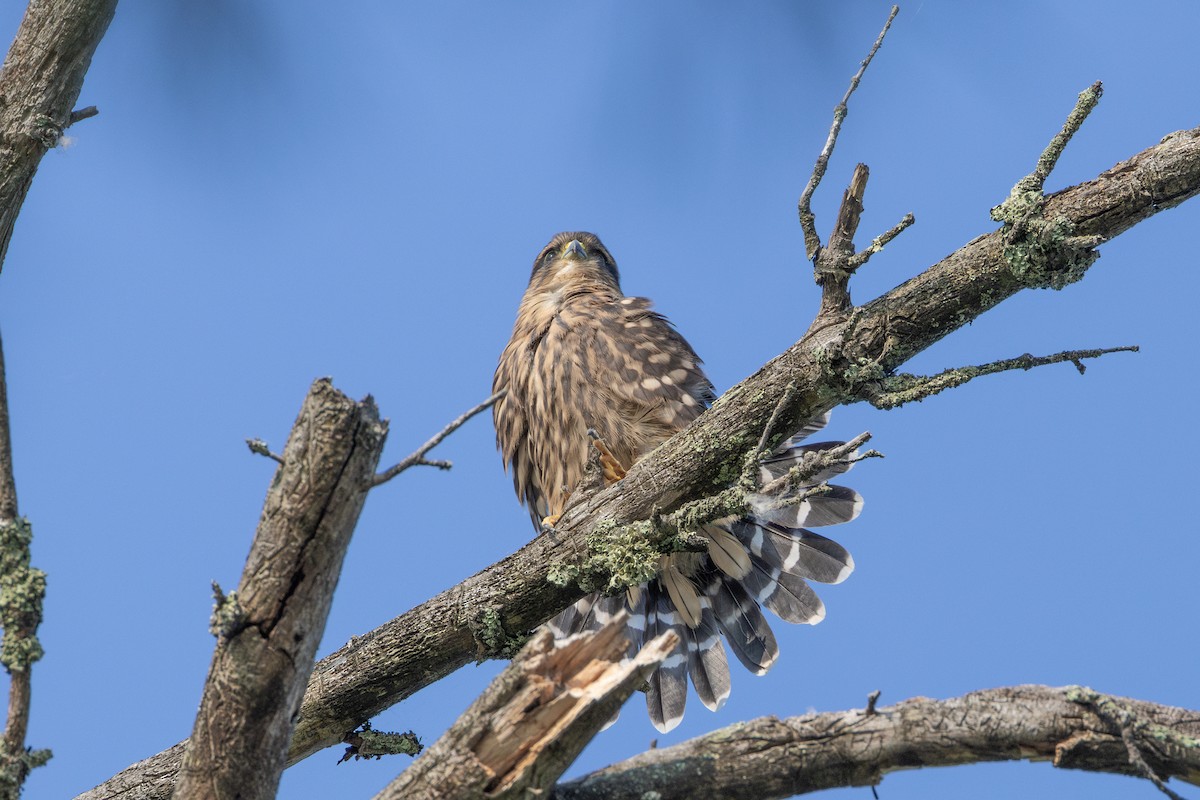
<point x="827" y="367"/>
<point x="772" y="758"/>
<point x="520" y="735"/>
<point x="269" y="629"/>
<point x="39" y="84"/>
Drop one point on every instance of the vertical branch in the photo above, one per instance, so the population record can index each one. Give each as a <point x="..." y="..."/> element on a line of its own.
<point x="21" y="591"/>
<point x="268" y="630"/>
<point x="812" y="240"/>
<point x="40" y="81"/>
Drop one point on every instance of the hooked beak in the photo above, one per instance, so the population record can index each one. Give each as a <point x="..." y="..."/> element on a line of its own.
<point x="575" y="250"/>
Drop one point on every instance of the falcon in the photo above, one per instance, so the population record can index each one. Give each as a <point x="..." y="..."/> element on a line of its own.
<point x="589" y="367"/>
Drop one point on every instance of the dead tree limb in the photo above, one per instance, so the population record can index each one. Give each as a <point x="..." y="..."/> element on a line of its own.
<point x="773" y="758"/>
<point x="831" y="364"/>
<point x="40" y="81"/>
<point x="268" y="631"/>
<point x="533" y="720"/>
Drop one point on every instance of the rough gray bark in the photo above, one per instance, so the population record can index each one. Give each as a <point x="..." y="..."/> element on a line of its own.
<point x="39" y="84"/>
<point x="766" y="758"/>
<point x="268" y="632"/>
<point x="838" y="360"/>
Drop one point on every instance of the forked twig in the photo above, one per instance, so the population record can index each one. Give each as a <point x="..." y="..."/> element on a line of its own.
<point x="417" y="457"/>
<point x="812" y="240"/>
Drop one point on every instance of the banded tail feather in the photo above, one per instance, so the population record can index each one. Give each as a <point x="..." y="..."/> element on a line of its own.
<point x="762" y="560"/>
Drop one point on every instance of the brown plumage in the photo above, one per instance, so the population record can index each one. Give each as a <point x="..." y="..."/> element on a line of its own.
<point x="585" y="357"/>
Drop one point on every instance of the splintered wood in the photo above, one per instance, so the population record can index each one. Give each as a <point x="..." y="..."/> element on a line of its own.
<point x="522" y="733"/>
<point x="560" y="699"/>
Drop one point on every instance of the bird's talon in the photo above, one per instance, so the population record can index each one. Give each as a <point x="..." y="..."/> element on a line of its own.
<point x="549" y="522"/>
<point x="613" y="471"/>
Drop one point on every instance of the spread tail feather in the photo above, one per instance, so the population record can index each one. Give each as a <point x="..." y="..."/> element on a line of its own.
<point x="763" y="559"/>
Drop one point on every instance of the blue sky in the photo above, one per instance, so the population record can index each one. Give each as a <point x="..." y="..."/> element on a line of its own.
<point x="279" y="191"/>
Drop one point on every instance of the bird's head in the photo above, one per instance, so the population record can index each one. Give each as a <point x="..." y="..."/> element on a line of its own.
<point x="574" y="259"/>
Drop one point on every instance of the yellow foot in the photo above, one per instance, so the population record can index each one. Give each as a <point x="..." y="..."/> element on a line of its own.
<point x="613" y="471"/>
<point x="550" y="521"/>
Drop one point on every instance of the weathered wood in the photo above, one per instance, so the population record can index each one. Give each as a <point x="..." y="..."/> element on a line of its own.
<point x="773" y="758"/>
<point x="40" y="81"/>
<point x="520" y="735"/>
<point x="828" y="365"/>
<point x="267" y="634"/>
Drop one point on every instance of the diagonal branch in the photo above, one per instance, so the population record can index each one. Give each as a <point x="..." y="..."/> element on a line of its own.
<point x="827" y="367"/>
<point x="772" y="758"/>
<point x="897" y="390"/>
<point x="40" y="81"/>
<point x="417" y="457"/>
<point x="533" y="720"/>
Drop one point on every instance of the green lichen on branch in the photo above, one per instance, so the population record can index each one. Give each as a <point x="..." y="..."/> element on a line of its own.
<point x="493" y="637"/>
<point x="1138" y="733"/>
<point x="1045" y="253"/>
<point x="624" y="555"/>
<point x="14" y="768"/>
<point x="896" y="390"/>
<point x="228" y="617"/>
<point x="368" y="743"/>
<point x="22" y="589"/>
<point x="619" y="556"/>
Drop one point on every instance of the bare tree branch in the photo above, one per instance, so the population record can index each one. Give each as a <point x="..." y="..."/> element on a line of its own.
<point x="417" y="457"/>
<point x="22" y="588"/>
<point x="1071" y="727"/>
<point x="39" y="83"/>
<point x="533" y="720"/>
<point x="896" y="390"/>
<point x="812" y="240"/>
<point x="269" y="629"/>
<point x="829" y="365"/>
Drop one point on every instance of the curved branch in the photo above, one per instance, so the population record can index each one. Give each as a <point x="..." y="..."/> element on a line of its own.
<point x="772" y="758"/>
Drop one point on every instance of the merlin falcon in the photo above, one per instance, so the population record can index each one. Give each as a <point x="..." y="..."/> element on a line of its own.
<point x="589" y="367"/>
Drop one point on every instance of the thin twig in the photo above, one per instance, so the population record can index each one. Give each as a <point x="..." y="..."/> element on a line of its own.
<point x="872" y="699"/>
<point x="417" y="457"/>
<point x="8" y="484"/>
<point x="820" y="461"/>
<point x="259" y="447"/>
<point x="20" y="615"/>
<point x="881" y="241"/>
<point x="784" y="399"/>
<point x="80" y="114"/>
<point x="1088" y="99"/>
<point x="812" y="240"/>
<point x="901" y="389"/>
